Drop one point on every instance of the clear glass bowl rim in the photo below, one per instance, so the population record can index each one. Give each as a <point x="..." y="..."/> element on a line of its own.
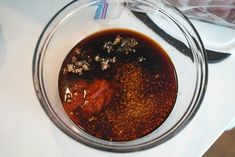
<point x="57" y="121"/>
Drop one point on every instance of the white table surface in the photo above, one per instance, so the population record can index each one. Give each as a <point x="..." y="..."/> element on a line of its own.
<point x="26" y="131"/>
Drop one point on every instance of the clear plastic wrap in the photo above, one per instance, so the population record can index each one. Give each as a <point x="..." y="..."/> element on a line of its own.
<point x="220" y="12"/>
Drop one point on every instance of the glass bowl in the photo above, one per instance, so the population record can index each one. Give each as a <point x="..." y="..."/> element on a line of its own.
<point x="157" y="19"/>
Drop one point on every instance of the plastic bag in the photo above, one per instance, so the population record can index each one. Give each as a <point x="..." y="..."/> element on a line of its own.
<point x="220" y="12"/>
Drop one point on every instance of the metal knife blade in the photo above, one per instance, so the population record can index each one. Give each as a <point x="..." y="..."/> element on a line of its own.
<point x="212" y="56"/>
<point x="215" y="56"/>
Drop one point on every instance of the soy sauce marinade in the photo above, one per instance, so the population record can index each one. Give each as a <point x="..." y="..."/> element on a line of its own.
<point x="117" y="85"/>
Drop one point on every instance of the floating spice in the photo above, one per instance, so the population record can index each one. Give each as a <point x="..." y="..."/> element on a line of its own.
<point x="118" y="85"/>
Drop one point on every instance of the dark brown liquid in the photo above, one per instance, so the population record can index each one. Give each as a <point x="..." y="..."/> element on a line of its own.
<point x="118" y="85"/>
